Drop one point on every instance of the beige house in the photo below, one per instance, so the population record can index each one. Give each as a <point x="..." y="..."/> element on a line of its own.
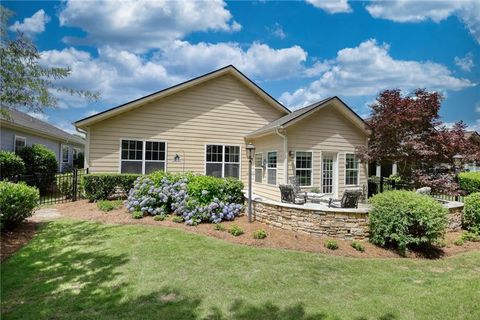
<point x="204" y="124"/>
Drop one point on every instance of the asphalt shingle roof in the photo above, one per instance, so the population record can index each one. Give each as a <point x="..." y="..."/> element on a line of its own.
<point x="21" y="119"/>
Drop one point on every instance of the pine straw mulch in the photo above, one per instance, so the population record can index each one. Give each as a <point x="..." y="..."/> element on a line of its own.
<point x="13" y="240"/>
<point x="276" y="238"/>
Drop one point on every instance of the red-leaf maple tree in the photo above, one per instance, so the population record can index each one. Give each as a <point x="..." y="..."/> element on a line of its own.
<point x="407" y="129"/>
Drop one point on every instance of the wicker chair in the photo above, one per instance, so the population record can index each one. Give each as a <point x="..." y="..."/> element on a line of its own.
<point x="349" y="200"/>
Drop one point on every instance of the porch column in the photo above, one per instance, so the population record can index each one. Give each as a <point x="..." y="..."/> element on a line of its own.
<point x="394" y="168"/>
<point x="378" y="171"/>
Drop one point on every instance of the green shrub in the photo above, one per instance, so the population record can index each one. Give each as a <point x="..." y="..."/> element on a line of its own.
<point x="405" y="218"/>
<point x="471" y="236"/>
<point x="159" y="217"/>
<point x="331" y="244"/>
<point x="205" y="189"/>
<point x="235" y="230"/>
<point x="101" y="186"/>
<point x="459" y="242"/>
<point x="65" y="184"/>
<point x="137" y="214"/>
<point x="260" y="234"/>
<point x="218" y="227"/>
<point x="10" y="165"/>
<point x="40" y="164"/>
<point x="17" y="201"/>
<point x="177" y="219"/>
<point x="471" y="212"/>
<point x="469" y="181"/>
<point x="441" y="243"/>
<point x="358" y="246"/>
<point x="106" y="205"/>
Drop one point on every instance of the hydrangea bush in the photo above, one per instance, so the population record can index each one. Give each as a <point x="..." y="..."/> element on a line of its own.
<point x="194" y="198"/>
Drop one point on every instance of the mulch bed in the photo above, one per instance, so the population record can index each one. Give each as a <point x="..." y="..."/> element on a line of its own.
<point x="276" y="238"/>
<point x="13" y="240"/>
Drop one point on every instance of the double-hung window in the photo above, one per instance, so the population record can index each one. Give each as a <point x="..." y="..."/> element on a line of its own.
<point x="139" y="156"/>
<point x="19" y="143"/>
<point x="352" y="169"/>
<point x="258" y="167"/>
<point x="65" y="152"/>
<point x="272" y="167"/>
<point x="303" y="168"/>
<point x="222" y="161"/>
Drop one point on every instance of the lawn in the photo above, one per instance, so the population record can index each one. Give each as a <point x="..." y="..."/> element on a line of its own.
<point x="85" y="270"/>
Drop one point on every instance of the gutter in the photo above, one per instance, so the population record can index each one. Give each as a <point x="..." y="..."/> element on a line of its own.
<point x="285" y="150"/>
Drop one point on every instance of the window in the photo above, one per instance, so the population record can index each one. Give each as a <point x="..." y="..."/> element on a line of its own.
<point x="65" y="151"/>
<point x="19" y="143"/>
<point x="154" y="156"/>
<point x="133" y="156"/>
<point x="75" y="154"/>
<point x="303" y="168"/>
<point x="352" y="171"/>
<point x="222" y="161"/>
<point x="272" y="167"/>
<point x="258" y="167"/>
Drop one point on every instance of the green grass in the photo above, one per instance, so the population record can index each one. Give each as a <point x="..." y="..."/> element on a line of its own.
<point x="83" y="270"/>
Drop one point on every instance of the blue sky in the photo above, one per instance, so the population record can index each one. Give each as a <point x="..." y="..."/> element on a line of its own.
<point x="299" y="52"/>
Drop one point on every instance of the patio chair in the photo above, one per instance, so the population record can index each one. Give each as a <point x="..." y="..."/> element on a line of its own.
<point x="349" y="200"/>
<point x="289" y="195"/>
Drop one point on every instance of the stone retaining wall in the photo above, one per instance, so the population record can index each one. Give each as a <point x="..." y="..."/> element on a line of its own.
<point x="345" y="224"/>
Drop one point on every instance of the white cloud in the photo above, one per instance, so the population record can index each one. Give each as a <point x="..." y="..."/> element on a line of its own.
<point x="277" y="31"/>
<point x="39" y="115"/>
<point x="468" y="11"/>
<point x="332" y="6"/>
<point x="369" y="68"/>
<point x="90" y="113"/>
<point x="32" y="25"/>
<point x="140" y="25"/>
<point x="466" y="63"/>
<point x="258" y="61"/>
<point x="477" y="107"/>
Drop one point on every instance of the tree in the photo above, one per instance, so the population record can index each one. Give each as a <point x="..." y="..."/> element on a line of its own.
<point x="407" y="130"/>
<point x="25" y="83"/>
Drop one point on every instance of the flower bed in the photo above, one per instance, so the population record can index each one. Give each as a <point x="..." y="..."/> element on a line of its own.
<point x="194" y="198"/>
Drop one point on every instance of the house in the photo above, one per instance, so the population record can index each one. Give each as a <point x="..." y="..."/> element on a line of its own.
<point x="21" y="129"/>
<point x="204" y="124"/>
<point x="474" y="137"/>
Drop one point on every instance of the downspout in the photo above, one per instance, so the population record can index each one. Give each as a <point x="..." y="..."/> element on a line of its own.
<point x="285" y="157"/>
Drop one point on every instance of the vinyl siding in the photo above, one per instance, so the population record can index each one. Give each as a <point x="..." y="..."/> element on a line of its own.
<point x="219" y="111"/>
<point x="327" y="131"/>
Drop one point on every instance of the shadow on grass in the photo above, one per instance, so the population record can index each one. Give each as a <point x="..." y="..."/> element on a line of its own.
<point x="68" y="273"/>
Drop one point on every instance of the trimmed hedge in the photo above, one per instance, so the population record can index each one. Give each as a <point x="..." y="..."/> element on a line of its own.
<point x="10" y="165"/>
<point x="100" y="186"/>
<point x="41" y="164"/>
<point x="471" y="214"/>
<point x="17" y="201"/>
<point x="405" y="218"/>
<point x="469" y="181"/>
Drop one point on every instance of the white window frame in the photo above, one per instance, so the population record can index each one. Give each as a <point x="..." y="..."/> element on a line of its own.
<point x="68" y="153"/>
<point x="358" y="170"/>
<point x="15" y="142"/>
<point x="223" y="158"/>
<point x="255" y="167"/>
<point x="144" y="151"/>
<point x="304" y="169"/>
<point x="276" y="168"/>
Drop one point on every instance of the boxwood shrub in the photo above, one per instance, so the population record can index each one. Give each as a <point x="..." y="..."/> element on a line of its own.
<point x="40" y="165"/>
<point x="17" y="201"/>
<point x="404" y="218"/>
<point x="10" y="165"/>
<point x="469" y="181"/>
<point x="101" y="186"/>
<point x="471" y="212"/>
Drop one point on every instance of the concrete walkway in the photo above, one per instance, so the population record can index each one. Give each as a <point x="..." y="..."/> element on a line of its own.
<point x="46" y="214"/>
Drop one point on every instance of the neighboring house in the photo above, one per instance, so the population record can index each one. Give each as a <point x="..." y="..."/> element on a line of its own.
<point x="473" y="136"/>
<point x="21" y="129"/>
<point x="203" y="125"/>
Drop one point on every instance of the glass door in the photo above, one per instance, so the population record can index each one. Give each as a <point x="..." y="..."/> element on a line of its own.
<point x="328" y="173"/>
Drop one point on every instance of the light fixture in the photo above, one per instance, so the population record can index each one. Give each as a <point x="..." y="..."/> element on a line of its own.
<point x="250" y="151"/>
<point x="250" y="155"/>
<point x="457" y="160"/>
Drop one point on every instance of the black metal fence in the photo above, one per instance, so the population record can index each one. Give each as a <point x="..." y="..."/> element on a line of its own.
<point x="381" y="184"/>
<point x="58" y="188"/>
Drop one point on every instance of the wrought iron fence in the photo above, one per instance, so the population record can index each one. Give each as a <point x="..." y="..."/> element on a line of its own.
<point x="381" y="184"/>
<point x="58" y="188"/>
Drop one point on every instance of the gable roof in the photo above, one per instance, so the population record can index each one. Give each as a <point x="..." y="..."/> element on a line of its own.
<point x="26" y="122"/>
<point x="230" y="69"/>
<point x="299" y="114"/>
